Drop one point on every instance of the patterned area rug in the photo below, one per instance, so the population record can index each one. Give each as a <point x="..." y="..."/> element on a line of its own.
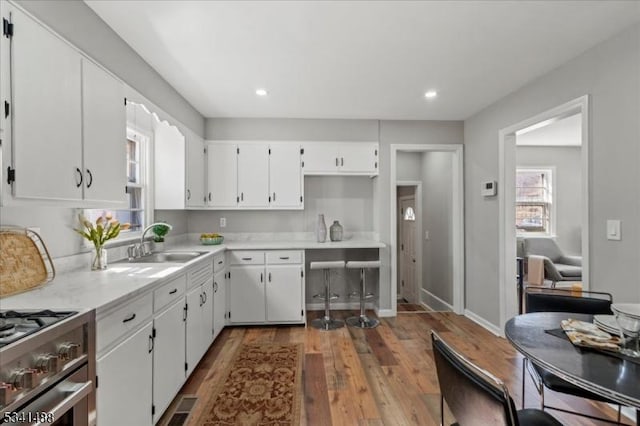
<point x="262" y="386"/>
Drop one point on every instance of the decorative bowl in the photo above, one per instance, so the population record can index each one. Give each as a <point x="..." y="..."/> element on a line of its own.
<point x="212" y="241"/>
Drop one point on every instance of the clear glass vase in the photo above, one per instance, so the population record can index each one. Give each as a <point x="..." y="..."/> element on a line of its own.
<point x="99" y="261"/>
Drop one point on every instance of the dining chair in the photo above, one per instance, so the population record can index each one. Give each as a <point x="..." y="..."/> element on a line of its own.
<point x="475" y="396"/>
<point x="564" y="300"/>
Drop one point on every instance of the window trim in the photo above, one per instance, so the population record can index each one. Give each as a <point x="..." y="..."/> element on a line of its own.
<point x="551" y="170"/>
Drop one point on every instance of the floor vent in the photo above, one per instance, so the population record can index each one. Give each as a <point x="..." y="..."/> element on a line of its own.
<point x="183" y="410"/>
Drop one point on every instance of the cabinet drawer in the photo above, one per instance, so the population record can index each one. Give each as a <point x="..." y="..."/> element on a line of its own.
<point x="276" y="257"/>
<point x="200" y="275"/>
<point x="169" y="292"/>
<point x="246" y="257"/>
<point x="123" y="320"/>
<point x="219" y="262"/>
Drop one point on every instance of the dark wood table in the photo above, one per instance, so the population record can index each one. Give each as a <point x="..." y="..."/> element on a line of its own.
<point x="600" y="373"/>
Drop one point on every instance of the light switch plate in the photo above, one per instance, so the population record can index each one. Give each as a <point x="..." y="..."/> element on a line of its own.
<point x="426" y="235"/>
<point x="223" y="222"/>
<point x="613" y="230"/>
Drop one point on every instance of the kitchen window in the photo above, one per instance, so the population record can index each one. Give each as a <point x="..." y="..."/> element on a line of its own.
<point x="535" y="214"/>
<point x="137" y="212"/>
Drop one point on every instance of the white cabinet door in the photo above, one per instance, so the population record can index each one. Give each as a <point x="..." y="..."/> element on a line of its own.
<point x="104" y="136"/>
<point x="195" y="170"/>
<point x="219" y="302"/>
<point x="359" y="158"/>
<point x="320" y="158"/>
<point x="253" y="175"/>
<point x="284" y="293"/>
<point x="194" y="331"/>
<point x="168" y="356"/>
<point x="285" y="175"/>
<point x="207" y="316"/>
<point x="169" y="171"/>
<point x="123" y="395"/>
<point x="222" y="175"/>
<point x="246" y="294"/>
<point x="46" y="109"/>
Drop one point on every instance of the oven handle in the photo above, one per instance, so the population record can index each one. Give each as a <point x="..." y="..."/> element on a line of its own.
<point x="59" y="410"/>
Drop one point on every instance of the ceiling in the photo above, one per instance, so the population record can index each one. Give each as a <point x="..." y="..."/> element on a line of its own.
<point x="358" y="59"/>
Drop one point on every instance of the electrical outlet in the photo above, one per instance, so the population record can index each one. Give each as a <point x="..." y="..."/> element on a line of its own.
<point x="223" y="222"/>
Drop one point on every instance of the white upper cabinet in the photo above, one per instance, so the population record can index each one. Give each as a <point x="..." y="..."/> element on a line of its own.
<point x="195" y="194"/>
<point x="104" y="135"/>
<point x="340" y="158"/>
<point x="46" y="108"/>
<point x="222" y="175"/>
<point x="285" y="176"/>
<point x="253" y="173"/>
<point x="169" y="167"/>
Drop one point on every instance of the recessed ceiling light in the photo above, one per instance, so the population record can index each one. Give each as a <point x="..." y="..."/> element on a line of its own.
<point x="431" y="94"/>
<point x="261" y="92"/>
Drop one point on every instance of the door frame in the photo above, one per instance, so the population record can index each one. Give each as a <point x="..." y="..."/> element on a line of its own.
<point x="506" y="200"/>
<point x="418" y="209"/>
<point x="457" y="221"/>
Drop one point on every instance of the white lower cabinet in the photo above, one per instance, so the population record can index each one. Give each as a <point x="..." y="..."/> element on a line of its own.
<point x="123" y="395"/>
<point x="219" y="302"/>
<point x="168" y="356"/>
<point x="271" y="292"/>
<point x="199" y="323"/>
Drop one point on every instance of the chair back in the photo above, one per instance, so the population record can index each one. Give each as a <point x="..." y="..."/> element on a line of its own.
<point x="542" y="246"/>
<point x="474" y="396"/>
<point x="561" y="300"/>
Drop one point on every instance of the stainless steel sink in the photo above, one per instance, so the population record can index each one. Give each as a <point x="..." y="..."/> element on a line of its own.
<point x="165" y="257"/>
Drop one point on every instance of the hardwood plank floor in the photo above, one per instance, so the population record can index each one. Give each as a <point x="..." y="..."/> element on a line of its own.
<point x="384" y="376"/>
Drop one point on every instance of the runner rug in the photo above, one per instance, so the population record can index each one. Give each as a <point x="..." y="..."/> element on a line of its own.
<point x="261" y="386"/>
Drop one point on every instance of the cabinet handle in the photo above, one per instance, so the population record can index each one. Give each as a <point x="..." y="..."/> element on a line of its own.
<point x="151" y="343"/>
<point x="201" y="300"/>
<point x="284" y="257"/>
<point x="342" y="161"/>
<point x="90" y="178"/>
<point x="205" y="297"/>
<point x="219" y="262"/>
<point x="269" y="276"/>
<point x="261" y="277"/>
<point x="209" y="196"/>
<point x="174" y="291"/>
<point x="274" y="196"/>
<point x="80" y="175"/>
<point x="337" y="162"/>
<point x="188" y="194"/>
<point x="129" y="319"/>
<point x="242" y="196"/>
<point x="247" y="258"/>
<point x="215" y="287"/>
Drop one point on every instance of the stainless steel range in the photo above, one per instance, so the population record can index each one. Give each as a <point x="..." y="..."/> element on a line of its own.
<point x="47" y="366"/>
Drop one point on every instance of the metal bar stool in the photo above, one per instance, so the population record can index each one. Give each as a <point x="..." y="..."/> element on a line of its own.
<point x="327" y="323"/>
<point x="363" y="321"/>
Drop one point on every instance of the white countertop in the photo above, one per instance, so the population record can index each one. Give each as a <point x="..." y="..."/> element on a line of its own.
<point x="101" y="290"/>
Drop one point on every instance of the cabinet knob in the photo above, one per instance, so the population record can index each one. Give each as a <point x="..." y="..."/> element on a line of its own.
<point x="188" y="194"/>
<point x="79" y="172"/>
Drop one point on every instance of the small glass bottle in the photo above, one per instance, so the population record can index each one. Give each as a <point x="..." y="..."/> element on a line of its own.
<point x="335" y="231"/>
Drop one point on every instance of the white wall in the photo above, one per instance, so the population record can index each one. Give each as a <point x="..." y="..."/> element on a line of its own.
<point x="610" y="74"/>
<point x="567" y="182"/>
<point x="408" y="166"/>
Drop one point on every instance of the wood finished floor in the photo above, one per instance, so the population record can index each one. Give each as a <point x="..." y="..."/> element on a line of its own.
<point x="382" y="376"/>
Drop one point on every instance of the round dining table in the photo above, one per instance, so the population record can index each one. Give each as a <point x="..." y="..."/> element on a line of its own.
<point x="596" y="371"/>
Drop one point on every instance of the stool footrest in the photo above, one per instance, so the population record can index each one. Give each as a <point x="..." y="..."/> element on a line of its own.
<point x="334" y="296"/>
<point x="369" y="296"/>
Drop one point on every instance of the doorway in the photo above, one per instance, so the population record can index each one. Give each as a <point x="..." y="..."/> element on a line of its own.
<point x="423" y="240"/>
<point x="507" y="199"/>
<point x="409" y="216"/>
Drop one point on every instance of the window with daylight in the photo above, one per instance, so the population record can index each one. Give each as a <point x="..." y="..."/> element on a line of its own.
<point x="136" y="212"/>
<point x="534" y="201"/>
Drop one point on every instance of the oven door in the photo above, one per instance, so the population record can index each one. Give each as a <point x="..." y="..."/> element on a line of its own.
<point x="64" y="404"/>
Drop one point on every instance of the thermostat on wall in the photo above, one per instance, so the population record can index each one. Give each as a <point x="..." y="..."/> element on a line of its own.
<point x="489" y="188"/>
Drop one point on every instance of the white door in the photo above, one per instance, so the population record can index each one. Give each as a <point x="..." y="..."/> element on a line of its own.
<point x="222" y="175"/>
<point x="246" y="294"/>
<point x="253" y="175"/>
<point x="285" y="175"/>
<point x="408" y="283"/>
<point x="169" y="169"/>
<point x="168" y="356"/>
<point x="194" y="332"/>
<point x="320" y="158"/>
<point x="358" y="158"/>
<point x="195" y="171"/>
<point x="104" y="136"/>
<point x="47" y="115"/>
<point x="125" y="382"/>
<point x="219" y="302"/>
<point x="284" y="293"/>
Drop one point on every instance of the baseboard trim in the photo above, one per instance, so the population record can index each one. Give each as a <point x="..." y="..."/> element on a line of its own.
<point x="432" y="301"/>
<point x="483" y="323"/>
<point x="382" y="313"/>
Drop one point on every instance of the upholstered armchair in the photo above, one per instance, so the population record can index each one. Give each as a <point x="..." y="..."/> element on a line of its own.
<point x="557" y="265"/>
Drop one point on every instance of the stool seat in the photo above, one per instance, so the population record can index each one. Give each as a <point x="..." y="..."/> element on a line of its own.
<point x="360" y="264"/>
<point x="332" y="264"/>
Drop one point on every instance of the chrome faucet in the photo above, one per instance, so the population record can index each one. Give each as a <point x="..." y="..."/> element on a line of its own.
<point x="140" y="249"/>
